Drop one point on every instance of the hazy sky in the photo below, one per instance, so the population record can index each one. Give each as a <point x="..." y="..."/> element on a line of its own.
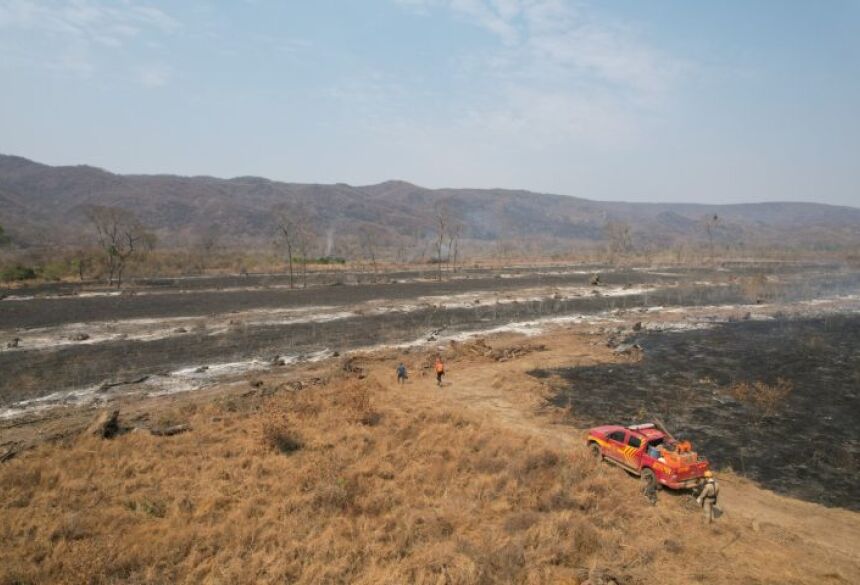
<point x="638" y="100"/>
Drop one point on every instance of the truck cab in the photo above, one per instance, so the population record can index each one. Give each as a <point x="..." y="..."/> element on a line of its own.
<point x="649" y="452"/>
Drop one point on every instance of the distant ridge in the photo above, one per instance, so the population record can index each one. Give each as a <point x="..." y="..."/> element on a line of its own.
<point x="41" y="204"/>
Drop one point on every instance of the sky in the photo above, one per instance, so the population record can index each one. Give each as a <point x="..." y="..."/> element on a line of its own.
<point x="635" y="100"/>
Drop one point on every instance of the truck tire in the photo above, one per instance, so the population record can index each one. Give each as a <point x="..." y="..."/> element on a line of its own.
<point x="648" y="477"/>
<point x="596" y="451"/>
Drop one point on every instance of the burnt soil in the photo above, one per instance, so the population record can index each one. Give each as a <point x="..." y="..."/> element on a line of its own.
<point x="40" y="372"/>
<point x="35" y="373"/>
<point x="810" y="448"/>
<point x="171" y="301"/>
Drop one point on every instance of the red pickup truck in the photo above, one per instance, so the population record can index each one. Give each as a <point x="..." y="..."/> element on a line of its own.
<point x="650" y="452"/>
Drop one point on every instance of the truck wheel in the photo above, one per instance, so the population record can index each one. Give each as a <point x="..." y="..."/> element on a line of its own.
<point x="596" y="452"/>
<point x="648" y="477"/>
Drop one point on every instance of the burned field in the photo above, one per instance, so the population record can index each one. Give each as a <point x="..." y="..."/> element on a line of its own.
<point x="777" y="400"/>
<point x="58" y="344"/>
<point x="148" y="333"/>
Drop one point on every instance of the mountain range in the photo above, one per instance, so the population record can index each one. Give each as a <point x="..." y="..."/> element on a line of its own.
<point x="44" y="205"/>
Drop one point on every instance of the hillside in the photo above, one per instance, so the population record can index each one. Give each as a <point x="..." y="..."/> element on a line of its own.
<point x="44" y="204"/>
<point x="338" y="475"/>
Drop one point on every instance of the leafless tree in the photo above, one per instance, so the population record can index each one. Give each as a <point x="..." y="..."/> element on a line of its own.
<point x="120" y="235"/>
<point x="306" y="236"/>
<point x="442" y="220"/>
<point x="81" y="263"/>
<point x="369" y="239"/>
<point x="210" y="240"/>
<point x="295" y="235"/>
<point x="454" y="233"/>
<point x="420" y="243"/>
<point x="620" y="240"/>
<point x="711" y="222"/>
<point x="400" y="253"/>
<point x="208" y="243"/>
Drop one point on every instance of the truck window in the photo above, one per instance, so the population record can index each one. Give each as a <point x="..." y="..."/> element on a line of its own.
<point x="617" y="436"/>
<point x="634" y="441"/>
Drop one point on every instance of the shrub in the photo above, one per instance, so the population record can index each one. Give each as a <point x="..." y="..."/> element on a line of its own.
<point x="766" y="398"/>
<point x="148" y="506"/>
<point x="329" y="260"/>
<point x="278" y="435"/>
<point x="338" y="493"/>
<point x="55" y="270"/>
<point x="17" y="272"/>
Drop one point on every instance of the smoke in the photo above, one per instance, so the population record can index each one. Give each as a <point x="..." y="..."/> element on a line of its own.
<point x="329" y="242"/>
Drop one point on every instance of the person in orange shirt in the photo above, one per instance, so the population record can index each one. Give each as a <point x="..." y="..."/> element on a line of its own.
<point x="440" y="370"/>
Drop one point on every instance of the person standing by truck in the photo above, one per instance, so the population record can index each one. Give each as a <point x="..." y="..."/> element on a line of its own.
<point x="708" y="496"/>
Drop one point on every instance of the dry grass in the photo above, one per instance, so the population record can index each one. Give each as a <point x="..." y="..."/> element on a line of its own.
<point x="767" y="399"/>
<point x="350" y="483"/>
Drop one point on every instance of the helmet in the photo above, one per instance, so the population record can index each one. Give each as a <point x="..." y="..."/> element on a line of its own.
<point x="709" y="474"/>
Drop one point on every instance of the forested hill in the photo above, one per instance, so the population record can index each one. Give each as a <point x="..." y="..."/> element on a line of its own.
<point x="43" y="204"/>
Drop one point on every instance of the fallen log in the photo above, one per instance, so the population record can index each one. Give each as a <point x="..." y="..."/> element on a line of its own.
<point x="170" y="431"/>
<point x="9" y="452"/>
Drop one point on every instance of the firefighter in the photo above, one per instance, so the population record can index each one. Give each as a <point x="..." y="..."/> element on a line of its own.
<point x="440" y="370"/>
<point x="708" y="496"/>
<point x="650" y="492"/>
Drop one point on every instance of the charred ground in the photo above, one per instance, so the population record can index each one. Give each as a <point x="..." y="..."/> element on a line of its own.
<point x="806" y="445"/>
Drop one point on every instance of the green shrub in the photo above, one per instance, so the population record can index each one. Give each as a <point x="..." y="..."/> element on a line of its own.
<point x="329" y="260"/>
<point x="55" y="270"/>
<point x="17" y="272"/>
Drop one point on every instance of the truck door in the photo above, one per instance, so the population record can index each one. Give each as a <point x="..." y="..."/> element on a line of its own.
<point x="615" y="445"/>
<point x="633" y="452"/>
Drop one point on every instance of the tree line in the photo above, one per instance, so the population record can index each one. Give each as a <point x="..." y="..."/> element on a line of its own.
<point x="302" y="238"/>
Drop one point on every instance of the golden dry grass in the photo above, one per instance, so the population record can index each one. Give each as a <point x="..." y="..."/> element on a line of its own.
<point x="356" y="481"/>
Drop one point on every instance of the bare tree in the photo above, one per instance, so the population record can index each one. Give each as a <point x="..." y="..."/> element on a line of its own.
<point x="454" y="232"/>
<point x="305" y="238"/>
<point x="711" y="222"/>
<point x="120" y="235"/>
<point x="620" y="240"/>
<point x="442" y="221"/>
<point x="82" y="262"/>
<point x="295" y="234"/>
<point x="208" y="243"/>
<point x="400" y="252"/>
<point x="369" y="238"/>
<point x="287" y="234"/>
